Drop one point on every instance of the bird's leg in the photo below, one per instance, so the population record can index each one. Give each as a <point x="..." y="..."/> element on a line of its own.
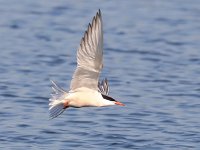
<point x="66" y="104"/>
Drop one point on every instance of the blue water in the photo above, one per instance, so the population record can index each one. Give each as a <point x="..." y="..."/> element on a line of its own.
<point x="151" y="58"/>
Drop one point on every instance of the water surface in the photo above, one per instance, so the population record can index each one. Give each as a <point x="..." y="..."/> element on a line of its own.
<point x="151" y="58"/>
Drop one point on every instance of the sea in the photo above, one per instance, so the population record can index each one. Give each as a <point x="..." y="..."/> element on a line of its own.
<point x="151" y="60"/>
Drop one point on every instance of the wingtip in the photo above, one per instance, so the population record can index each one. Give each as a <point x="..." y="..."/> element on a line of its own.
<point x="99" y="13"/>
<point x="106" y="80"/>
<point x="90" y="25"/>
<point x="51" y="81"/>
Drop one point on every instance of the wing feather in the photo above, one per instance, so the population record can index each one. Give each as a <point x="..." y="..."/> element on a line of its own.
<point x="89" y="56"/>
<point x="103" y="87"/>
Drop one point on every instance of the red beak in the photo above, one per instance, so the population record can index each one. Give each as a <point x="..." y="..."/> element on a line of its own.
<point x="119" y="103"/>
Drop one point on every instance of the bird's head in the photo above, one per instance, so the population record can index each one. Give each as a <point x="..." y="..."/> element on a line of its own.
<point x="111" y="101"/>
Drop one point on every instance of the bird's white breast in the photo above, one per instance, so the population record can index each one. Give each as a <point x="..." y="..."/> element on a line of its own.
<point x="84" y="97"/>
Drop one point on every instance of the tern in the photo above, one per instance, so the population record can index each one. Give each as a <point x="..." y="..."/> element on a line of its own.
<point x="85" y="89"/>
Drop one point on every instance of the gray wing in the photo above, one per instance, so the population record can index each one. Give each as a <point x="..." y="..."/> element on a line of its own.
<point x="89" y="56"/>
<point x="103" y="87"/>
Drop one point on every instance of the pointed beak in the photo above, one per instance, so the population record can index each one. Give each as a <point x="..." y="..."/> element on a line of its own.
<point x="119" y="103"/>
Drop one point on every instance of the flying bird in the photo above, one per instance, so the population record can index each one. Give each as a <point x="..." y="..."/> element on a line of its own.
<point x="85" y="88"/>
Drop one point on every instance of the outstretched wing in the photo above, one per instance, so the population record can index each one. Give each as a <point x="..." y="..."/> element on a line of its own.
<point x="89" y="56"/>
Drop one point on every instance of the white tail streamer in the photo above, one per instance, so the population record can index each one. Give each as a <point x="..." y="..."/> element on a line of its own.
<point x="56" y="105"/>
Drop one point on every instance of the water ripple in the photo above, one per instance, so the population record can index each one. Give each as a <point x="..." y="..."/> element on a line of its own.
<point x="151" y="60"/>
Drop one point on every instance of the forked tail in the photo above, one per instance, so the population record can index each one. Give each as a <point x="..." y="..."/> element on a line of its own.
<point x="56" y="105"/>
